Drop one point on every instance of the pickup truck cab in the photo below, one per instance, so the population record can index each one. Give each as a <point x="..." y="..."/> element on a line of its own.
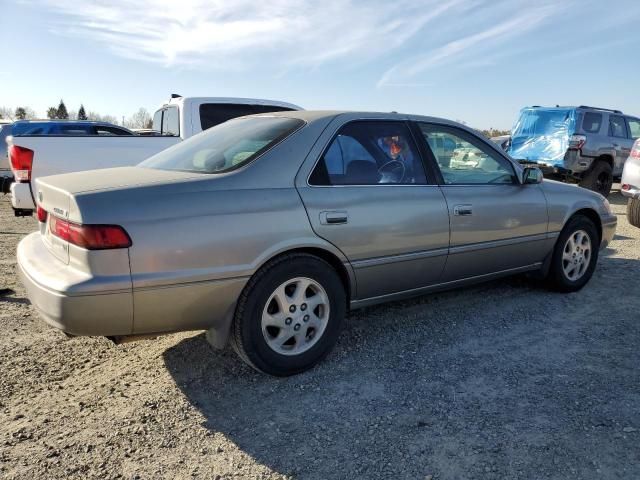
<point x="33" y="156"/>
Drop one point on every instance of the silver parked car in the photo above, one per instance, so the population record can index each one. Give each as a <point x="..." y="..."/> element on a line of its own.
<point x="266" y="229"/>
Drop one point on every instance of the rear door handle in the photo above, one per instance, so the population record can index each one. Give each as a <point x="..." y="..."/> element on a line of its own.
<point x="334" y="217"/>
<point x="463" y="210"/>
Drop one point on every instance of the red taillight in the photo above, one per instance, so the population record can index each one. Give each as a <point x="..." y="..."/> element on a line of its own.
<point x="576" y="142"/>
<point x="625" y="187"/>
<point x="42" y="214"/>
<point x="635" y="151"/>
<point x="91" y="237"/>
<point x="21" y="160"/>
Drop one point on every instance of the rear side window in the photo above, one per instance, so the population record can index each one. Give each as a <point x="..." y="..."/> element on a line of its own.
<point x="171" y="122"/>
<point x="592" y="122"/>
<point x="634" y="126"/>
<point x="225" y="147"/>
<point x="370" y="153"/>
<point x="617" y="126"/>
<point x="212" y="114"/>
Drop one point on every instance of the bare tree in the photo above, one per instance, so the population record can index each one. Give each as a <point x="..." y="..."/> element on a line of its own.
<point x="140" y="119"/>
<point x="7" y="113"/>
<point x="52" y="113"/>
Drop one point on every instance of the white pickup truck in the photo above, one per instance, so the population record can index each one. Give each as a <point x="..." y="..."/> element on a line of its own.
<point x="33" y="156"/>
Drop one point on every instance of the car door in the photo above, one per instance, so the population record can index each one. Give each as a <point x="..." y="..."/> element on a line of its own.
<point x="368" y="195"/>
<point x="622" y="142"/>
<point x="497" y="224"/>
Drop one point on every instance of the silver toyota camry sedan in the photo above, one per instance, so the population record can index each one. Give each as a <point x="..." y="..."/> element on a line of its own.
<point x="265" y="230"/>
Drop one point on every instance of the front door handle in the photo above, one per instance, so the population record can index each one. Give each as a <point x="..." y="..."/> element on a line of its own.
<point x="334" y="217"/>
<point x="463" y="210"/>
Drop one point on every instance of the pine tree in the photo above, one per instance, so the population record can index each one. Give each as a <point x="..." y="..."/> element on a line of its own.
<point x="21" y="113"/>
<point x="82" y="115"/>
<point x="62" y="111"/>
<point x="52" y="113"/>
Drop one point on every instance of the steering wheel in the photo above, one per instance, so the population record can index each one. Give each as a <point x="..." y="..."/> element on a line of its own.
<point x="392" y="172"/>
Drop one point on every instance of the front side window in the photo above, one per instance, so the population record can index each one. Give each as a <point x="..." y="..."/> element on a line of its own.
<point x="617" y="127"/>
<point x="225" y="147"/>
<point x="634" y="126"/>
<point x="464" y="159"/>
<point x="591" y="122"/>
<point x="370" y="153"/>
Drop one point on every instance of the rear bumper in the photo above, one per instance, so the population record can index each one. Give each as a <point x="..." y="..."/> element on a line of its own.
<point x="573" y="165"/>
<point x="46" y="280"/>
<point x="631" y="178"/>
<point x="21" y="198"/>
<point x="80" y="304"/>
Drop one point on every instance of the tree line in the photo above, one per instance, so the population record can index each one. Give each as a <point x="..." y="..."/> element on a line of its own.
<point x="140" y="119"/>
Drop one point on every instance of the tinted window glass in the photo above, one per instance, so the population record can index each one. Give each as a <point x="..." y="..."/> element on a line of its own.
<point x="591" y="122"/>
<point x="225" y="147"/>
<point x="464" y="159"/>
<point x="634" y="126"/>
<point x="617" y="127"/>
<point x="269" y="108"/>
<point x="105" y="130"/>
<point x="370" y="153"/>
<point x="71" y="130"/>
<point x="212" y="114"/>
<point x="171" y="122"/>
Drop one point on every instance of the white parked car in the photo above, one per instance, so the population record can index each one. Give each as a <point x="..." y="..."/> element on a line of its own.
<point x="33" y="156"/>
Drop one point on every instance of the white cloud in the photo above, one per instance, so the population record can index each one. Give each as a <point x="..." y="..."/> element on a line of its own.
<point x="235" y="33"/>
<point x="472" y="45"/>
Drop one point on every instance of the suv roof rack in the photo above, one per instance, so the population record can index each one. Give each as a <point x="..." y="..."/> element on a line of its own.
<point x="598" y="108"/>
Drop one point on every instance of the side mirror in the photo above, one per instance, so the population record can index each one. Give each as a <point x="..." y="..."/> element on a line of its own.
<point x="532" y="175"/>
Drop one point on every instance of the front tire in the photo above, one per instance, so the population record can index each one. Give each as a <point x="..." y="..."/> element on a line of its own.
<point x="289" y="315"/>
<point x="633" y="212"/>
<point x="575" y="255"/>
<point x="599" y="178"/>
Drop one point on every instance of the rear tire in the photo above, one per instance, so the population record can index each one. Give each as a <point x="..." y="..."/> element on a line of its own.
<point x="289" y="315"/>
<point x="574" y="256"/>
<point x="633" y="212"/>
<point x="599" y="178"/>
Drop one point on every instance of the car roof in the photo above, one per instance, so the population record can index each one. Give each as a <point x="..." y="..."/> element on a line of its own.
<point x="67" y="122"/>
<point x="312" y="115"/>
<point x="230" y="100"/>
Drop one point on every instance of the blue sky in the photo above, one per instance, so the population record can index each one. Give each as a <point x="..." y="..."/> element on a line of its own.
<point x="478" y="61"/>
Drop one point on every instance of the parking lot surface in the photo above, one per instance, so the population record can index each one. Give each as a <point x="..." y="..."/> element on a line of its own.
<point x="501" y="380"/>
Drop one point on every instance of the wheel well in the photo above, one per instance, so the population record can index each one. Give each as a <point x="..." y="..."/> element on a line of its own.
<point x="605" y="158"/>
<point x="332" y="260"/>
<point x="591" y="215"/>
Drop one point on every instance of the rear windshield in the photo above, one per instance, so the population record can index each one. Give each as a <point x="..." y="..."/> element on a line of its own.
<point x="212" y="114"/>
<point x="540" y="122"/>
<point x="225" y="147"/>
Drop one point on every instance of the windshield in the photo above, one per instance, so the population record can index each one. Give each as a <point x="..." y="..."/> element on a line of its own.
<point x="225" y="147"/>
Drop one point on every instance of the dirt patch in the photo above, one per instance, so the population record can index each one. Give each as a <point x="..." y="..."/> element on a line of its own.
<point x="503" y="380"/>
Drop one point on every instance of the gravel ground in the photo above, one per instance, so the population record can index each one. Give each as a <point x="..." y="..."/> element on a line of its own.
<point x="503" y="380"/>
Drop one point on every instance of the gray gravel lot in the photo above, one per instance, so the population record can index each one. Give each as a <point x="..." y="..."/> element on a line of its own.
<point x="502" y="380"/>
